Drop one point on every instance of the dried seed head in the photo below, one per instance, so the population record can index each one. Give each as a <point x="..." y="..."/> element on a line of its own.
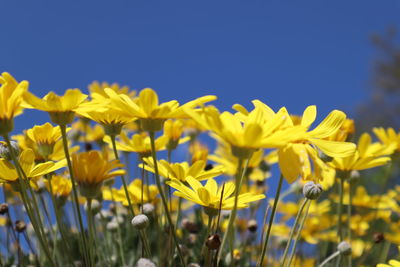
<point x="312" y="190"/>
<point x="378" y="238"/>
<point x="191" y="227"/>
<point x="140" y="221"/>
<point x="252" y="226"/>
<point x="3" y="208"/>
<point x="213" y="242"/>
<point x="20" y="226"/>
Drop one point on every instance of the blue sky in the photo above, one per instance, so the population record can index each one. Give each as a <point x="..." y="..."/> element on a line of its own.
<point x="285" y="53"/>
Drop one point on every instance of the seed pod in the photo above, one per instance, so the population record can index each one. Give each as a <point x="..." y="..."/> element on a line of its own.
<point x="20" y="226"/>
<point x="312" y="190"/>
<point x="213" y="242"/>
<point x="191" y="227"/>
<point x="378" y="238"/>
<point x="252" y="226"/>
<point x="3" y="208"/>
<point x="140" y="221"/>
<point x="344" y="248"/>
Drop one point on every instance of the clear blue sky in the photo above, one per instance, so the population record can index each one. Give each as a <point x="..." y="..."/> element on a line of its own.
<point x="286" y="53"/>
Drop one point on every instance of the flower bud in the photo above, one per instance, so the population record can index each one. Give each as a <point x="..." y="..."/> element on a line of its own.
<point x="213" y="242"/>
<point x="143" y="262"/>
<point x="191" y="227"/>
<point x="112" y="226"/>
<point x="5" y="151"/>
<point x="252" y="226"/>
<point x="148" y="208"/>
<point x="140" y="221"/>
<point x="193" y="265"/>
<point x="344" y="248"/>
<point x="20" y="226"/>
<point x="312" y="190"/>
<point x="3" y="208"/>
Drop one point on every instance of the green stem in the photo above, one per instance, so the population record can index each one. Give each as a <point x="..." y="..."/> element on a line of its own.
<point x="22" y="179"/>
<point x="164" y="201"/>
<point x="298" y="234"/>
<point x="303" y="204"/>
<point x="142" y="237"/>
<point x="91" y="234"/>
<point x="82" y="239"/>
<point x="331" y="257"/>
<point x="271" y="221"/>
<point x="230" y="232"/>
<point x="349" y="220"/>
<point x="340" y="209"/>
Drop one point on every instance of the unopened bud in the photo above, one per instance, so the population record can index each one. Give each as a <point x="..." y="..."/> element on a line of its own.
<point x="20" y="226"/>
<point x="5" y="151"/>
<point x="143" y="262"/>
<point x="213" y="242"/>
<point x="148" y="208"/>
<point x="3" y="208"/>
<point x="193" y="265"/>
<point x="312" y="190"/>
<point x="252" y="226"/>
<point x="112" y="226"/>
<point x="191" y="227"/>
<point x="344" y="248"/>
<point x="140" y="221"/>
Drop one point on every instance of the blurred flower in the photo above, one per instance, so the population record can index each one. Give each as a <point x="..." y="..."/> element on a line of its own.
<point x="98" y="88"/>
<point x="388" y="136"/>
<point x="149" y="193"/>
<point x="60" y="186"/>
<point x="26" y="160"/>
<point x="182" y="170"/>
<point x="11" y="98"/>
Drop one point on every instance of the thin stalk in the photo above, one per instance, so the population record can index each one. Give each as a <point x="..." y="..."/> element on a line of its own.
<point x="84" y="244"/>
<point x="164" y="201"/>
<point x="142" y="236"/>
<point x="207" y="251"/>
<point x="303" y="220"/>
<point x="230" y="232"/>
<point x="349" y="205"/>
<point x="91" y="234"/>
<point x="37" y="226"/>
<point x="331" y="257"/>
<point x="303" y="204"/>
<point x="340" y="210"/>
<point x="271" y="221"/>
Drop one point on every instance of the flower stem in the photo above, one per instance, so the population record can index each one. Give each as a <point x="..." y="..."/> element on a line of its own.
<point x="141" y="234"/>
<point x="271" y="220"/>
<point x="303" y="204"/>
<point x="331" y="257"/>
<point x="75" y="194"/>
<point x="91" y="234"/>
<point x="298" y="234"/>
<point x="164" y="201"/>
<point x="22" y="179"/>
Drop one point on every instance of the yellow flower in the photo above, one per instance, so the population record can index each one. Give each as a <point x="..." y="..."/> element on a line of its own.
<point x="61" y="108"/>
<point x="294" y="158"/>
<point x="247" y="131"/>
<point x="344" y="132"/>
<point x="210" y="195"/>
<point x="198" y="151"/>
<point x="146" y="107"/>
<point x="92" y="168"/>
<point x="368" y="155"/>
<point x="11" y="93"/>
<point x="388" y="136"/>
<point x="182" y="170"/>
<point x="173" y="130"/>
<point x="26" y="159"/>
<point x="60" y="186"/>
<point x="150" y="193"/>
<point x="392" y="263"/>
<point x="139" y="143"/>
<point x="45" y="136"/>
<point x="87" y="133"/>
<point x="98" y="88"/>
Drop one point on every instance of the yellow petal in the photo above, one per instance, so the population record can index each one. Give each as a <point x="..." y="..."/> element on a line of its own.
<point x="309" y="115"/>
<point x="329" y="125"/>
<point x="334" y="148"/>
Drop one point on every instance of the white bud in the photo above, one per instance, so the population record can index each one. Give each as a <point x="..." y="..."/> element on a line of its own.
<point x="143" y="262"/>
<point x="148" y="208"/>
<point x="140" y="221"/>
<point x="312" y="190"/>
<point x="344" y="248"/>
